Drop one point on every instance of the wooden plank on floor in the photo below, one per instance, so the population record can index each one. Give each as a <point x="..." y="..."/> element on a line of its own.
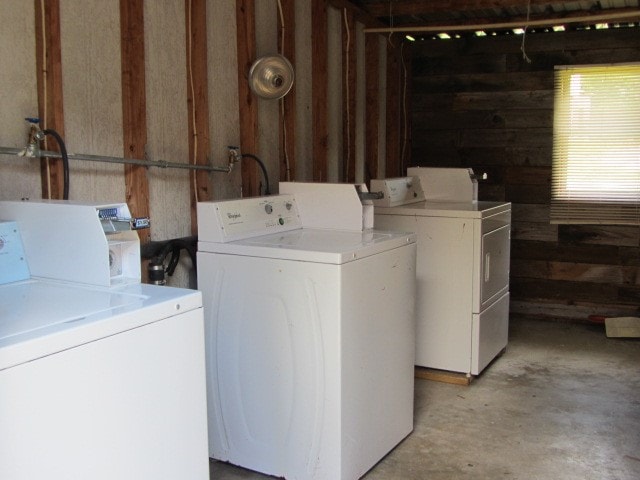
<point x="626" y="327"/>
<point x="443" y="376"/>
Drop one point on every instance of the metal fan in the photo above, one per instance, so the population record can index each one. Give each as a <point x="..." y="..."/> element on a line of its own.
<point x="271" y="76"/>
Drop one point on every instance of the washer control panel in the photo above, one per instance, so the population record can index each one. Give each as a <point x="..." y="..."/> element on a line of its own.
<point x="246" y="218"/>
<point x="13" y="264"/>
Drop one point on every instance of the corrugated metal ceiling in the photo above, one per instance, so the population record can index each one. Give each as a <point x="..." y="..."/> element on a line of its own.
<point x="408" y="13"/>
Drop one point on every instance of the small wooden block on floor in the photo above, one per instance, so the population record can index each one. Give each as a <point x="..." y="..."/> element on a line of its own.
<point x="444" y="376"/>
<point x="622" y="327"/>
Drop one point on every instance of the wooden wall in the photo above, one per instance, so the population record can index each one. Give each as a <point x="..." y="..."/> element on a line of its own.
<point x="477" y="103"/>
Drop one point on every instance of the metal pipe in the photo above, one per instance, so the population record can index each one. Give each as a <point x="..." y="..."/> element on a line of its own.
<point x="127" y="161"/>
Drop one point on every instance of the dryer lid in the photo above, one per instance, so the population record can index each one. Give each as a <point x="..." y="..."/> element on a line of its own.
<point x="479" y="209"/>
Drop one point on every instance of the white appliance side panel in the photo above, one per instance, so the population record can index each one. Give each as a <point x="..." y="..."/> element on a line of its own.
<point x="490" y="333"/>
<point x="129" y="406"/>
<point x="445" y="269"/>
<point x="378" y="352"/>
<point x="272" y="334"/>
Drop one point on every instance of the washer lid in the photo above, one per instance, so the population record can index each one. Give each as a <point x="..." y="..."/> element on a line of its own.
<point x="39" y="318"/>
<point x="479" y="209"/>
<point x="314" y="245"/>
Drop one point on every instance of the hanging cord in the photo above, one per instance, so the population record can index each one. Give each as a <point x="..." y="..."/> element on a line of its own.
<point x="346" y="83"/>
<point x="404" y="108"/>
<point x="282" y="110"/>
<point x="524" y="34"/>
<point x="267" y="191"/>
<point x="284" y="141"/>
<point x="391" y="25"/>
<point x="193" y="107"/>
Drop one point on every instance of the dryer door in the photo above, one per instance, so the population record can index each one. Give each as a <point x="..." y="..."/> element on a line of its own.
<point x="495" y="264"/>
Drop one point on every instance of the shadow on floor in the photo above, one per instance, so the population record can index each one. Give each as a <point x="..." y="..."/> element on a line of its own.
<point x="562" y="402"/>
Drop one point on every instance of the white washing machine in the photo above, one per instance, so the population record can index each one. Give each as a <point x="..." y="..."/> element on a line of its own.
<point x="462" y="302"/>
<point x="96" y="381"/>
<point x="309" y="333"/>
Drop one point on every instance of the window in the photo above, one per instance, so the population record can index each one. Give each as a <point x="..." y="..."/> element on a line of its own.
<point x="596" y="145"/>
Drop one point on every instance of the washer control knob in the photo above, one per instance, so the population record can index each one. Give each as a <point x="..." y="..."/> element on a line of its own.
<point x="281" y="221"/>
<point x="268" y="208"/>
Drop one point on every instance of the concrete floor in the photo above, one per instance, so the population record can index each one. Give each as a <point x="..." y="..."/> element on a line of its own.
<point x="563" y="402"/>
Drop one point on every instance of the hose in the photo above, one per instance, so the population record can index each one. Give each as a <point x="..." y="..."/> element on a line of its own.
<point x="65" y="161"/>
<point x="157" y="252"/>
<point x="267" y="191"/>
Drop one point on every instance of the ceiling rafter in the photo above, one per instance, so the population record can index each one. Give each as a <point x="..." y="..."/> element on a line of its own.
<point x="360" y="14"/>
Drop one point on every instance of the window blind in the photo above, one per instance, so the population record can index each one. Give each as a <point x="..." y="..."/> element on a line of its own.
<point x="596" y="145"/>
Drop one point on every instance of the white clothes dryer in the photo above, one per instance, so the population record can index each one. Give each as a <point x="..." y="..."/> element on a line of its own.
<point x="310" y="339"/>
<point x="462" y="299"/>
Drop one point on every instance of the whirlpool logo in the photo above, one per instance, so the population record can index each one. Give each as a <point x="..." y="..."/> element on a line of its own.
<point x="233" y="216"/>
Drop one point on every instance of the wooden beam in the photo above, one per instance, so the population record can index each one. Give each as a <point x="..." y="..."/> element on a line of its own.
<point x="319" y="88"/>
<point x="420" y="7"/>
<point x="576" y="272"/>
<point x="372" y="111"/>
<point x="197" y="102"/>
<point x="134" y="123"/>
<point x="574" y="312"/>
<point x="246" y="41"/>
<point x="361" y="15"/>
<point x="287" y="47"/>
<point x="49" y="80"/>
<point x="349" y="77"/>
